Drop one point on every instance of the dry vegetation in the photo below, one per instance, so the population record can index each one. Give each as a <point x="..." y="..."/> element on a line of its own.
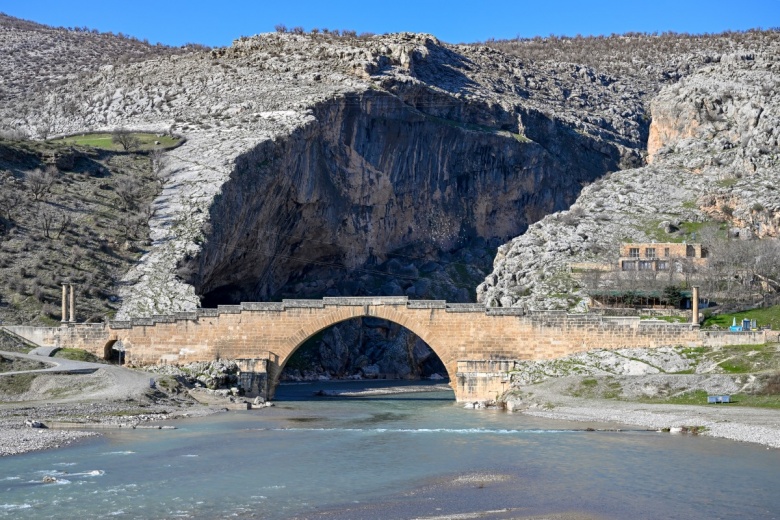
<point x="38" y="58"/>
<point x="651" y="60"/>
<point x="72" y="214"/>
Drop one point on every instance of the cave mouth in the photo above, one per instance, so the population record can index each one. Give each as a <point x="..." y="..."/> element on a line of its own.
<point x="364" y="348"/>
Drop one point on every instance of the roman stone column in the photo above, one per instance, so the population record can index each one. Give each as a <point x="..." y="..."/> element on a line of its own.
<point x="72" y="303"/>
<point x="695" y="305"/>
<point x="64" y="302"/>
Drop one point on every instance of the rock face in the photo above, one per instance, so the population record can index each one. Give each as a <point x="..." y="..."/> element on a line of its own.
<point x="315" y="158"/>
<point x="713" y="154"/>
<point x="370" y="177"/>
<point x="318" y="164"/>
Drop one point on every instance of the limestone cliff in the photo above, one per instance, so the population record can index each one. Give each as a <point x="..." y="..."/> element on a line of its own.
<point x="311" y="157"/>
<point x="713" y="154"/>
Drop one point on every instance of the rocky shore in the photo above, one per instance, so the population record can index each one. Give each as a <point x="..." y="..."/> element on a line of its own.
<point x="757" y="425"/>
<point x="629" y="387"/>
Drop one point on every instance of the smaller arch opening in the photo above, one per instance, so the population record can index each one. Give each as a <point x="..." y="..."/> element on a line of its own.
<point x="113" y="352"/>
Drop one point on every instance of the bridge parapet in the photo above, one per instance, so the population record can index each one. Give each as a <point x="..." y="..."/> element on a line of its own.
<point x="427" y="304"/>
<point x="366" y="300"/>
<point x="465" y="307"/>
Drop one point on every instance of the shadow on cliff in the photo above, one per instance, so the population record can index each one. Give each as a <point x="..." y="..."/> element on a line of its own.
<point x="378" y="197"/>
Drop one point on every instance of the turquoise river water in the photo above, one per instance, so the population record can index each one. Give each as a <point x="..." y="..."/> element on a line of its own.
<point x="397" y="456"/>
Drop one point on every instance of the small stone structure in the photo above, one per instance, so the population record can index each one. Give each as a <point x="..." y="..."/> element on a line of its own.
<point x="473" y="342"/>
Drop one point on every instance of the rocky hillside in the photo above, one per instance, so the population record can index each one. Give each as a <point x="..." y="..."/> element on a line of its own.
<point x="713" y="157"/>
<point x="37" y="59"/>
<point x="69" y="214"/>
<point x="330" y="164"/>
<point x="313" y="158"/>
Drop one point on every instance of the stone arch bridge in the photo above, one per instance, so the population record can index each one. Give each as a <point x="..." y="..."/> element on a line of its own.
<point x="478" y="346"/>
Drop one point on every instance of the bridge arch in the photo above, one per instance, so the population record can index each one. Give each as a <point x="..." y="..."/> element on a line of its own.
<point x="309" y="329"/>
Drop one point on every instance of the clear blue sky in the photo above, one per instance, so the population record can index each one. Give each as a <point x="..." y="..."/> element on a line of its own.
<point x="218" y="23"/>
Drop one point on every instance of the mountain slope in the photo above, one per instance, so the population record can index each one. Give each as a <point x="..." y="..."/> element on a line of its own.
<point x="713" y="158"/>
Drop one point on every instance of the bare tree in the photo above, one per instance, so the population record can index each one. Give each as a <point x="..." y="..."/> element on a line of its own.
<point x="46" y="217"/>
<point x="125" y="138"/>
<point x="131" y="226"/>
<point x="157" y="160"/>
<point x="129" y="192"/>
<point x="11" y="199"/>
<point x="39" y="182"/>
<point x="64" y="223"/>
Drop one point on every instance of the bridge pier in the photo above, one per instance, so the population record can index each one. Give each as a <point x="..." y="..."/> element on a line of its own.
<point x="482" y="380"/>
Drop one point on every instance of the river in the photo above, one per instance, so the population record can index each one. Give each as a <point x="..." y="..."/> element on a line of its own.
<point x="396" y="456"/>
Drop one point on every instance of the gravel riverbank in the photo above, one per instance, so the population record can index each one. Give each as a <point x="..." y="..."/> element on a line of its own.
<point x="738" y="423"/>
<point x="108" y="396"/>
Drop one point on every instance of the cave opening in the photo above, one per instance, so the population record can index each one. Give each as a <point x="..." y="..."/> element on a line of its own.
<point x="364" y="348"/>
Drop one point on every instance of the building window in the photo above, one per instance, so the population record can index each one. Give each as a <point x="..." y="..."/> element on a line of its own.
<point x="633" y="252"/>
<point x="663" y="265"/>
<point x="645" y="265"/>
<point x="628" y="265"/>
<point x="666" y="252"/>
<point x="690" y="251"/>
<point x="649" y="252"/>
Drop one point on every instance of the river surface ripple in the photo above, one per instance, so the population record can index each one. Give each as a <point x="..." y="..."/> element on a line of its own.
<point x="391" y="456"/>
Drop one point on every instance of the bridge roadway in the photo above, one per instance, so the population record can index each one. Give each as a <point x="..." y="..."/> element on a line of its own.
<point x="478" y="346"/>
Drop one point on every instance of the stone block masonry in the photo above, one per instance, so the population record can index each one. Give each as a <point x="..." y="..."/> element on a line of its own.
<point x="265" y="335"/>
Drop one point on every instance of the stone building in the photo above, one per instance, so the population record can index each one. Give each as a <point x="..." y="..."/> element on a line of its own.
<point x="660" y="256"/>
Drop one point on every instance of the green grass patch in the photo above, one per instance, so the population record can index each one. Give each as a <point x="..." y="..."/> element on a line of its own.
<point x="589" y="382"/>
<point x="763" y="316"/>
<point x="735" y="367"/>
<point x="699" y="397"/>
<point x="104" y="141"/>
<point x="76" y="354"/>
<point x="727" y="183"/>
<point x="694" y="351"/>
<point x="693" y="397"/>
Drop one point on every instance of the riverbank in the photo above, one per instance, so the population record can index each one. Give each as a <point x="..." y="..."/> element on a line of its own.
<point x="115" y="396"/>
<point x="551" y="400"/>
<point x="76" y="392"/>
